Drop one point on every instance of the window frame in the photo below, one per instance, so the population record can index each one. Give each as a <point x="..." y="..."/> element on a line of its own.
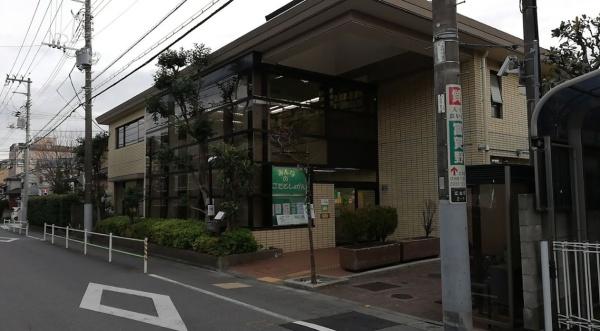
<point x="121" y="133"/>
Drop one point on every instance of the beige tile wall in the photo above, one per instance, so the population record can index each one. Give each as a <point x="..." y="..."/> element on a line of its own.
<point x="127" y="160"/>
<point x="291" y="240"/>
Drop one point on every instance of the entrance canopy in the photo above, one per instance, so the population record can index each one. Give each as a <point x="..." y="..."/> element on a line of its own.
<point x="574" y="103"/>
<point x="565" y="132"/>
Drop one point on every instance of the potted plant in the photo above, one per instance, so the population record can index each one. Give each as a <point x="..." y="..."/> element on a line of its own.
<point x="368" y="229"/>
<point x="418" y="248"/>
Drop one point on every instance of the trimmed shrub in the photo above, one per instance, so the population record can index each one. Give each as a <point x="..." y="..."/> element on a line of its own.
<point x="52" y="209"/>
<point x="230" y="242"/>
<point x="117" y="225"/>
<point x="382" y="222"/>
<point x="353" y="225"/>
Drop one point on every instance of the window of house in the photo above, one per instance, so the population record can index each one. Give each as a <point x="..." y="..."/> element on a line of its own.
<point x="130" y="133"/>
<point x="496" y="93"/>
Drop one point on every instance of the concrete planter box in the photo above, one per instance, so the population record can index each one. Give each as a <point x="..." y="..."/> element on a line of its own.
<point x="369" y="256"/>
<point x="420" y="248"/>
<point x="190" y="256"/>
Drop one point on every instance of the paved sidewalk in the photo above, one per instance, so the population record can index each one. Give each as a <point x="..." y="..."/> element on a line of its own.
<point x="292" y="265"/>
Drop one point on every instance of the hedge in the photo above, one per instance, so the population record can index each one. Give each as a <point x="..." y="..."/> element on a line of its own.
<point x="52" y="209"/>
<point x="183" y="234"/>
<point x="369" y="224"/>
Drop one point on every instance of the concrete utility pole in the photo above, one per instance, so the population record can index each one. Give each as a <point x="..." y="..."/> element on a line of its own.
<point x="456" y="277"/>
<point x="25" y="190"/>
<point x="531" y="64"/>
<point x="86" y="63"/>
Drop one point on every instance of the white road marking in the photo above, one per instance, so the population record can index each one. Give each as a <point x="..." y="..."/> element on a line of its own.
<point x="36" y="238"/>
<point x="228" y="299"/>
<point x="313" y="326"/>
<point x="168" y="317"/>
<point x="7" y="239"/>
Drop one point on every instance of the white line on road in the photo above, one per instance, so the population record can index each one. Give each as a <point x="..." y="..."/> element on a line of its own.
<point x="243" y="304"/>
<point x="7" y="239"/>
<point x="313" y="326"/>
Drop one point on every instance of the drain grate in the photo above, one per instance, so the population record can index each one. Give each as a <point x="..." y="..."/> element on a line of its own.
<point x="376" y="286"/>
<point x="402" y="296"/>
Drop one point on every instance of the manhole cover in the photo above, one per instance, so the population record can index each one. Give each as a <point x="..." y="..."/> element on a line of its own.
<point x="402" y="296"/>
<point x="435" y="275"/>
<point x="377" y="286"/>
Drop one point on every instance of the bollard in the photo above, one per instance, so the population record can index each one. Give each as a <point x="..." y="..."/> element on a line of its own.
<point x="27" y="229"/>
<point x="67" y="237"/>
<point x="44" y="231"/>
<point x="110" y="247"/>
<point x="52" y="233"/>
<point x="84" y="241"/>
<point x="145" y="255"/>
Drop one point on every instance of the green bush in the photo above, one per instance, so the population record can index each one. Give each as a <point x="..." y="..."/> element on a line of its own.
<point x="369" y="224"/>
<point x="117" y="225"/>
<point x="353" y="225"/>
<point x="52" y="209"/>
<point x="183" y="234"/>
<point x="236" y="241"/>
<point x="382" y="222"/>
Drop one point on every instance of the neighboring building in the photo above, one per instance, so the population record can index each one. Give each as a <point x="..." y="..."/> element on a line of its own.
<point x="46" y="156"/>
<point x="361" y="73"/>
<point x="126" y="161"/>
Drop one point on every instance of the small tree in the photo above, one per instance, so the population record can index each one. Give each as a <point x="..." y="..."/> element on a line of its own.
<point x="236" y="178"/>
<point x="428" y="213"/>
<point x="131" y="202"/>
<point x="578" y="52"/>
<point x="99" y="150"/>
<point x="178" y="79"/>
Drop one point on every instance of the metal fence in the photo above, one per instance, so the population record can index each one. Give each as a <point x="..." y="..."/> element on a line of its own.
<point x="85" y="241"/>
<point x="15" y="226"/>
<point x="576" y="286"/>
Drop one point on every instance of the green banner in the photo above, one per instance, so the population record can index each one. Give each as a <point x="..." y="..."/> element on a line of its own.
<point x="288" y="196"/>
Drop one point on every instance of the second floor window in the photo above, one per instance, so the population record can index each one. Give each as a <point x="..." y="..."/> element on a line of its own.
<point x="496" y="91"/>
<point x="130" y="133"/>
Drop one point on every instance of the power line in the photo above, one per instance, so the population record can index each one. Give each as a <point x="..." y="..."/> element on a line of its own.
<point x="23" y="42"/>
<point x="225" y="5"/>
<point x="162" y="20"/>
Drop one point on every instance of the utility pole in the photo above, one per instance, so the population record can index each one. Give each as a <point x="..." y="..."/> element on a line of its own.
<point x="456" y="277"/>
<point x="531" y="76"/>
<point x="85" y="61"/>
<point x="25" y="189"/>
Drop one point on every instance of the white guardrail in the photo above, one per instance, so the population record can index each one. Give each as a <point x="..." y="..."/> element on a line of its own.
<point x="86" y="243"/>
<point x="16" y="225"/>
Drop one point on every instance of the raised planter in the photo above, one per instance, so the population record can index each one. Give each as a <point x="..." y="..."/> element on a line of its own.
<point x="369" y="256"/>
<point x="420" y="248"/>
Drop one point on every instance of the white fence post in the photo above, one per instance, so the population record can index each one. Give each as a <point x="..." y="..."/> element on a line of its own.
<point x="67" y="237"/>
<point x="52" y="233"/>
<point x="44" y="231"/>
<point x="84" y="241"/>
<point x="546" y="285"/>
<point x="27" y="229"/>
<point x="110" y="247"/>
<point x="145" y="255"/>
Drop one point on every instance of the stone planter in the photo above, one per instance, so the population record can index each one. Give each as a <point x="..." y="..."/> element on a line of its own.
<point x="420" y="248"/>
<point x="369" y="256"/>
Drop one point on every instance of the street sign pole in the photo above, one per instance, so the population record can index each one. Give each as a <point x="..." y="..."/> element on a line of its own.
<point x="452" y="191"/>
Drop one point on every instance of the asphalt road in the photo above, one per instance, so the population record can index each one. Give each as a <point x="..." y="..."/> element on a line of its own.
<point x="46" y="287"/>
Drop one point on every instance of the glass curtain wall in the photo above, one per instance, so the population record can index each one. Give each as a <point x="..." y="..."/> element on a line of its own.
<point x="282" y="116"/>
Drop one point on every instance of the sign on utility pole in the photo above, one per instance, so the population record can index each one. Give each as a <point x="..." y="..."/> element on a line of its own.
<point x="25" y="189"/>
<point x="452" y="190"/>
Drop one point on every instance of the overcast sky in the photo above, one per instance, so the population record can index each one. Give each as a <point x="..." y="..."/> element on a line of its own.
<point x="118" y="23"/>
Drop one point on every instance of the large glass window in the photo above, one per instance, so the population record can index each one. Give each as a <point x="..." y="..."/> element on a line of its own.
<point x="130" y="133"/>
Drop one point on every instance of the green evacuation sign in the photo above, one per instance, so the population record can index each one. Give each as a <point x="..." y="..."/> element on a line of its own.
<point x="288" y="196"/>
<point x="457" y="182"/>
